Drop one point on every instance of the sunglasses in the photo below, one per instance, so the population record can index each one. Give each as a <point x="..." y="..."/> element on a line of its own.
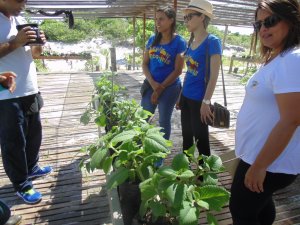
<point x="270" y="21"/>
<point x="21" y="1"/>
<point x="189" y="16"/>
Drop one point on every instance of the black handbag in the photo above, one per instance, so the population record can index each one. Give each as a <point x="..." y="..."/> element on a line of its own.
<point x="145" y="86"/>
<point x="221" y="114"/>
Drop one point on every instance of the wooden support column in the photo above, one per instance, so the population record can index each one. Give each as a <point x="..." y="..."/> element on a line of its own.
<point x="225" y="37"/>
<point x="134" y="43"/>
<point x="113" y="59"/>
<point x="144" y="33"/>
<point x="175" y="5"/>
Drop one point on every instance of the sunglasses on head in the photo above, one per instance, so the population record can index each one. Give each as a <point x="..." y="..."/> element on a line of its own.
<point x="270" y="21"/>
<point x="189" y="16"/>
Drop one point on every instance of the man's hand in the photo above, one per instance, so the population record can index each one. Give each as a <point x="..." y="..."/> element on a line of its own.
<point x="7" y="80"/>
<point x="24" y="35"/>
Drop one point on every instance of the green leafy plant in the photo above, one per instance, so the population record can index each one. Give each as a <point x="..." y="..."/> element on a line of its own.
<point x="181" y="193"/>
<point x="131" y="153"/>
<point x="130" y="146"/>
<point x="128" y="152"/>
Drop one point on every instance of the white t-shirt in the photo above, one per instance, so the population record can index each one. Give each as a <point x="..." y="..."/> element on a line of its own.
<point x="259" y="112"/>
<point x="19" y="61"/>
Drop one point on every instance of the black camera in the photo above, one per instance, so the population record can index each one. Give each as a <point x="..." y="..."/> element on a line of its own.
<point x="35" y="28"/>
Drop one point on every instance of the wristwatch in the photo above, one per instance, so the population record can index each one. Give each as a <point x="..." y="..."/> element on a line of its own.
<point x="206" y="101"/>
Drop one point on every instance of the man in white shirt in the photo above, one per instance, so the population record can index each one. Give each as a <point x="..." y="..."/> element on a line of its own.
<point x="20" y="130"/>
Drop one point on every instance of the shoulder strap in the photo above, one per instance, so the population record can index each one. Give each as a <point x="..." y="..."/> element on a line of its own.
<point x="207" y="75"/>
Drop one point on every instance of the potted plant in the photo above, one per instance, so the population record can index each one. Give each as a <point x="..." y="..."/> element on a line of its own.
<point x="177" y="194"/>
<point x="131" y="146"/>
<point x="127" y="154"/>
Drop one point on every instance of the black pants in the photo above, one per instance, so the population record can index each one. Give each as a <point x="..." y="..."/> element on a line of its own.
<point x="20" y="137"/>
<point x="251" y="208"/>
<point x="193" y="130"/>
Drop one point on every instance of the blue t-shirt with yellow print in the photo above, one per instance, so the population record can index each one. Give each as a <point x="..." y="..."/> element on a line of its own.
<point x="162" y="57"/>
<point x="194" y="84"/>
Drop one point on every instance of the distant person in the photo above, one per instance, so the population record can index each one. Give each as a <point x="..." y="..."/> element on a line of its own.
<point x="5" y="216"/>
<point x="162" y="66"/>
<point x="203" y="56"/>
<point x="20" y="123"/>
<point x="267" y="129"/>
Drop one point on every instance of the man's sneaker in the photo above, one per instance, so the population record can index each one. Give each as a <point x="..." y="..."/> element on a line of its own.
<point x="31" y="196"/>
<point x="42" y="171"/>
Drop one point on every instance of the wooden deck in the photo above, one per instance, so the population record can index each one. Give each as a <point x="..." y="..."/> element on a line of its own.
<point x="75" y="197"/>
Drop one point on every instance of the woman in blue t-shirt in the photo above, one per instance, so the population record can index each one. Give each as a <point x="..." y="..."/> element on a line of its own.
<point x="162" y="64"/>
<point x="203" y="53"/>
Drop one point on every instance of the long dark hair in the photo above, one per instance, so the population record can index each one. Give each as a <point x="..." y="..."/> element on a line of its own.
<point x="289" y="11"/>
<point x="171" y="14"/>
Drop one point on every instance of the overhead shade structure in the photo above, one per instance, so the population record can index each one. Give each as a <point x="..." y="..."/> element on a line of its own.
<point x="227" y="12"/>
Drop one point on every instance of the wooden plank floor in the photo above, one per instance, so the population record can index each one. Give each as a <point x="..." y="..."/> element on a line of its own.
<point x="287" y="201"/>
<point x="69" y="195"/>
<point x="75" y="197"/>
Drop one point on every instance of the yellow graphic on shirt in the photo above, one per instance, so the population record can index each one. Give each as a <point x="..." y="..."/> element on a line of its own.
<point x="192" y="65"/>
<point x="159" y="54"/>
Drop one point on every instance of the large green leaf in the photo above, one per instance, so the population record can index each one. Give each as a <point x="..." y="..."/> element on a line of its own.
<point x="145" y="171"/>
<point x="101" y="120"/>
<point x="164" y="184"/>
<point x="167" y="172"/>
<point x="170" y="193"/>
<point x="186" y="175"/>
<point x="141" y="113"/>
<point x="154" y="142"/>
<point x="107" y="164"/>
<point x="189" y="215"/>
<point x="215" y="196"/>
<point x="157" y="209"/>
<point x="147" y="190"/>
<point x="210" y="179"/>
<point x="191" y="150"/>
<point x="180" y="162"/>
<point x="143" y="208"/>
<point x="214" y="162"/>
<point x="124" y="136"/>
<point x="180" y="195"/>
<point x="117" y="177"/>
<point x="98" y="158"/>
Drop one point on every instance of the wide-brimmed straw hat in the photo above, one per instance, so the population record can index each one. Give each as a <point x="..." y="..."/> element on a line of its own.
<point x="202" y="6"/>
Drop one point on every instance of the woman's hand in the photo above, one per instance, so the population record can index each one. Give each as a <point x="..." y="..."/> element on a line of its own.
<point x="156" y="93"/>
<point x="206" y="114"/>
<point x="8" y="81"/>
<point x="154" y="98"/>
<point x="254" y="179"/>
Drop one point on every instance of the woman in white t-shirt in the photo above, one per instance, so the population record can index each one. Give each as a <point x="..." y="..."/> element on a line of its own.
<point x="268" y="133"/>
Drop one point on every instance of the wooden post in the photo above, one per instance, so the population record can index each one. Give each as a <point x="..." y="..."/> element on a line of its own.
<point x="144" y="33"/>
<point x="231" y="64"/>
<point x="175" y="5"/>
<point x="225" y="37"/>
<point x="134" y="36"/>
<point x="113" y="59"/>
<point x="250" y="54"/>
